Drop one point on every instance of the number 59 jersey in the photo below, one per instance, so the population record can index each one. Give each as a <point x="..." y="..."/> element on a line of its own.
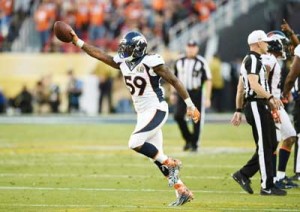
<point x="141" y="80"/>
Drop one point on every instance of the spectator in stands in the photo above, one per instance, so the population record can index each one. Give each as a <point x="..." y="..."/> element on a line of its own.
<point x="41" y="97"/>
<point x="82" y="17"/>
<point x="105" y="74"/>
<point x="3" y="102"/>
<point x="97" y="15"/>
<point x="74" y="91"/>
<point x="204" y="8"/>
<point x="44" y="17"/>
<point x="217" y="83"/>
<point x="54" y="94"/>
<point x="6" y="8"/>
<point x="24" y="101"/>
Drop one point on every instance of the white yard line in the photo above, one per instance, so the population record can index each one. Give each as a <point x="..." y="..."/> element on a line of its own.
<point x="50" y="175"/>
<point x="114" y="190"/>
<point x="186" y="208"/>
<point x="53" y="164"/>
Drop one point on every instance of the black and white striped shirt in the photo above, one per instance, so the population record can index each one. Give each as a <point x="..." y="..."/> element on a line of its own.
<point x="192" y="72"/>
<point x="252" y="65"/>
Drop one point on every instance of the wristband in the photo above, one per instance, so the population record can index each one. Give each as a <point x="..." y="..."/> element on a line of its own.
<point x="239" y="110"/>
<point x="189" y="102"/>
<point x="271" y="97"/>
<point x="79" y="43"/>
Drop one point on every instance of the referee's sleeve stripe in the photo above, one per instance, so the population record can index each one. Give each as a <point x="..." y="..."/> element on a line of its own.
<point x="253" y="64"/>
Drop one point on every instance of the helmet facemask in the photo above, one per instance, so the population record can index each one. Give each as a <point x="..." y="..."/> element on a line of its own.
<point x="132" y="46"/>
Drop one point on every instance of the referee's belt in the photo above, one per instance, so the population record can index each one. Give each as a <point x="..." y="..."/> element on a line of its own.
<point x="257" y="99"/>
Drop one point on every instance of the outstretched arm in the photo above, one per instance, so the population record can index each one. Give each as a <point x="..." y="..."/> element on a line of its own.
<point x="168" y="76"/>
<point x="291" y="77"/>
<point x="94" y="51"/>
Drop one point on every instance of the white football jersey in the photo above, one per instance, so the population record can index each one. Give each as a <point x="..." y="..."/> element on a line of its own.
<point x="297" y="51"/>
<point x="143" y="83"/>
<point x="274" y="75"/>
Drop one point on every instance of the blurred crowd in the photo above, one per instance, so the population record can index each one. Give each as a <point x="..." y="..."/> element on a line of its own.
<point x="103" y="91"/>
<point x="100" y="22"/>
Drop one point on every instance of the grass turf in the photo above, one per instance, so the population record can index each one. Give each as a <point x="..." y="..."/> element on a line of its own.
<point x="90" y="168"/>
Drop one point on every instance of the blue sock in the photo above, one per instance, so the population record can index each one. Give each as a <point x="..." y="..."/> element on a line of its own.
<point x="148" y="150"/>
<point x="284" y="155"/>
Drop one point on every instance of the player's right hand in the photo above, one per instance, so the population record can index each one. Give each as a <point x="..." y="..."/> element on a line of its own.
<point x="276" y="116"/>
<point x="285" y="27"/>
<point x="75" y="37"/>
<point x="193" y="113"/>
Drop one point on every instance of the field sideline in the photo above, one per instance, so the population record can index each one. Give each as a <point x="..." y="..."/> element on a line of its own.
<point x="71" y="167"/>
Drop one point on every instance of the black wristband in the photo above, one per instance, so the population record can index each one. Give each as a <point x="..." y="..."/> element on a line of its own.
<point x="271" y="97"/>
<point x="239" y="110"/>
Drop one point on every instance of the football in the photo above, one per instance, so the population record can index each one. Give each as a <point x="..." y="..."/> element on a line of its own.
<point x="62" y="31"/>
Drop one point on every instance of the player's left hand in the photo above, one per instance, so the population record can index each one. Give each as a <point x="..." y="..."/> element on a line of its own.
<point x="193" y="113"/>
<point x="75" y="37"/>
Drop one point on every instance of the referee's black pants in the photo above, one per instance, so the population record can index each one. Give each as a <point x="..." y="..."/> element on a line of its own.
<point x="258" y="115"/>
<point x="191" y="137"/>
<point x="296" y="117"/>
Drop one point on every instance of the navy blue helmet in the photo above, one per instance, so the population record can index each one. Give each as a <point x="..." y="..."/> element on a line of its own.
<point x="279" y="43"/>
<point x="133" y="45"/>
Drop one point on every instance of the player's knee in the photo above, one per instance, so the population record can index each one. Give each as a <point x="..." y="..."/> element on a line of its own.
<point x="134" y="144"/>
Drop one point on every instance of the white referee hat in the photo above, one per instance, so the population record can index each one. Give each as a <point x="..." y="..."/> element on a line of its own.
<point x="258" y="36"/>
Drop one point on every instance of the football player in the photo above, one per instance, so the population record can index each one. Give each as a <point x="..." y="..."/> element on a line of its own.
<point x="289" y="83"/>
<point x="142" y="73"/>
<point x="284" y="129"/>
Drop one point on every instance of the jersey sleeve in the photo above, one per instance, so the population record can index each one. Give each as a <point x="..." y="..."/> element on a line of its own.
<point x="268" y="60"/>
<point x="297" y="51"/>
<point x="153" y="60"/>
<point x="117" y="59"/>
<point x="252" y="65"/>
<point x="207" y="70"/>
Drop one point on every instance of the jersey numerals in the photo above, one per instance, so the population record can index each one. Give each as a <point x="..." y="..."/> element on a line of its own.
<point x="135" y="83"/>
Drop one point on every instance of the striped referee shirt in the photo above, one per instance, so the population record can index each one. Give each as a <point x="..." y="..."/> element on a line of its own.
<point x="252" y="65"/>
<point x="192" y="72"/>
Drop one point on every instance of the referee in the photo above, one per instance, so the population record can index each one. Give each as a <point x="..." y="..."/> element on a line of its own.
<point x="193" y="71"/>
<point x="254" y="89"/>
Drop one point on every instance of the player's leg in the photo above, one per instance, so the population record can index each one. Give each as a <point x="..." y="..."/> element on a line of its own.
<point x="296" y="117"/>
<point x="288" y="134"/>
<point x="148" y="128"/>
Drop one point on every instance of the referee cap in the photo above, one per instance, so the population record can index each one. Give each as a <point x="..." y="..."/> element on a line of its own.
<point x="192" y="42"/>
<point x="258" y="36"/>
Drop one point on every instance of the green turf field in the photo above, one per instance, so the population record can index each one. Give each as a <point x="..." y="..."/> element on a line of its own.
<point x="90" y="168"/>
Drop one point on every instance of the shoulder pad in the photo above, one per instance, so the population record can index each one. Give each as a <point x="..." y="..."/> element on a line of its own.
<point x="153" y="60"/>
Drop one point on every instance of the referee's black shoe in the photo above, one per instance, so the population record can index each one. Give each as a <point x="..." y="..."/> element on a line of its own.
<point x="274" y="191"/>
<point x="243" y="181"/>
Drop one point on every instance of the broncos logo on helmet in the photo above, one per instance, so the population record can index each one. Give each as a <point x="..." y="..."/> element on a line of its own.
<point x="279" y="44"/>
<point x="133" y="45"/>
